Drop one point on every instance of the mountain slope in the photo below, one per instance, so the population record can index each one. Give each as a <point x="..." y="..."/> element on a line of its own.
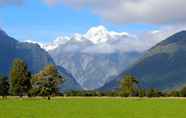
<point x="93" y="70"/>
<point x="70" y="83"/>
<point x="162" y="67"/>
<point x="32" y="54"/>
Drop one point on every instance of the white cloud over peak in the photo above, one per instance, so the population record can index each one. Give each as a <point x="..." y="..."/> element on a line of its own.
<point x="136" y="11"/>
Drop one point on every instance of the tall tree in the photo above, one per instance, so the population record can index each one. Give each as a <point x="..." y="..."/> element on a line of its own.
<point x="4" y="86"/>
<point x="47" y="81"/>
<point x="20" y="78"/>
<point x="141" y="92"/>
<point x="128" y="86"/>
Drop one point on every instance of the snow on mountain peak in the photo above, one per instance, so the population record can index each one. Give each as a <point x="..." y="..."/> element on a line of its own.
<point x="97" y="30"/>
<point x="96" y="35"/>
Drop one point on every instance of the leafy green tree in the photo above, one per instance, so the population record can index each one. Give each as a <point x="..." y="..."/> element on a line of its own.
<point x="47" y="81"/>
<point x="4" y="86"/>
<point x="141" y="93"/>
<point x="128" y="86"/>
<point x="20" y="78"/>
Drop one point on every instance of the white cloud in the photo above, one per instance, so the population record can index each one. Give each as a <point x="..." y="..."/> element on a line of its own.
<point x="154" y="37"/>
<point x="136" y="11"/>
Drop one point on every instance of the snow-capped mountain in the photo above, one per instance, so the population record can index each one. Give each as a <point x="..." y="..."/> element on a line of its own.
<point x="95" y="57"/>
<point x="99" y="55"/>
<point x="99" y="40"/>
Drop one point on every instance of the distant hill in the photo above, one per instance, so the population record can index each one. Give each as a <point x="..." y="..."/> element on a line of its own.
<point x="162" y="67"/>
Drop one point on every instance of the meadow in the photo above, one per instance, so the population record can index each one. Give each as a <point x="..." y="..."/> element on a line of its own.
<point x="93" y="108"/>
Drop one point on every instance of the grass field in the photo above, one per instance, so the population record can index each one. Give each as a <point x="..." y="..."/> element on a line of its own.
<point x="93" y="108"/>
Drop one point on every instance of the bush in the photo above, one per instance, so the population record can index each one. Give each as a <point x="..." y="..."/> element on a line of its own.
<point x="154" y="93"/>
<point x="183" y="92"/>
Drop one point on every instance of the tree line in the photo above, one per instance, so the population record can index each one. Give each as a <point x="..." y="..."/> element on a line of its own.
<point x="47" y="83"/>
<point x="22" y="83"/>
<point x="129" y="87"/>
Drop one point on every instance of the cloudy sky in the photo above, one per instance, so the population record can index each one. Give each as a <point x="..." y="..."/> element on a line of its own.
<point x="44" y="20"/>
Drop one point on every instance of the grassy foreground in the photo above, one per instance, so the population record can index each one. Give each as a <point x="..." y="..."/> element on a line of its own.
<point x="93" y="108"/>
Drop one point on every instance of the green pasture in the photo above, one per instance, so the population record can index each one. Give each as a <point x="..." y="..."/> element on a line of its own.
<point x="93" y="108"/>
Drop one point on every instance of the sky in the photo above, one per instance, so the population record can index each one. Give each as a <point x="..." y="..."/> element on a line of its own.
<point x="44" y="20"/>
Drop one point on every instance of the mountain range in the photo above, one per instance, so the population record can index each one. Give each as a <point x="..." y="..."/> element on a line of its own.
<point x="162" y="67"/>
<point x="100" y="58"/>
<point x="94" y="58"/>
